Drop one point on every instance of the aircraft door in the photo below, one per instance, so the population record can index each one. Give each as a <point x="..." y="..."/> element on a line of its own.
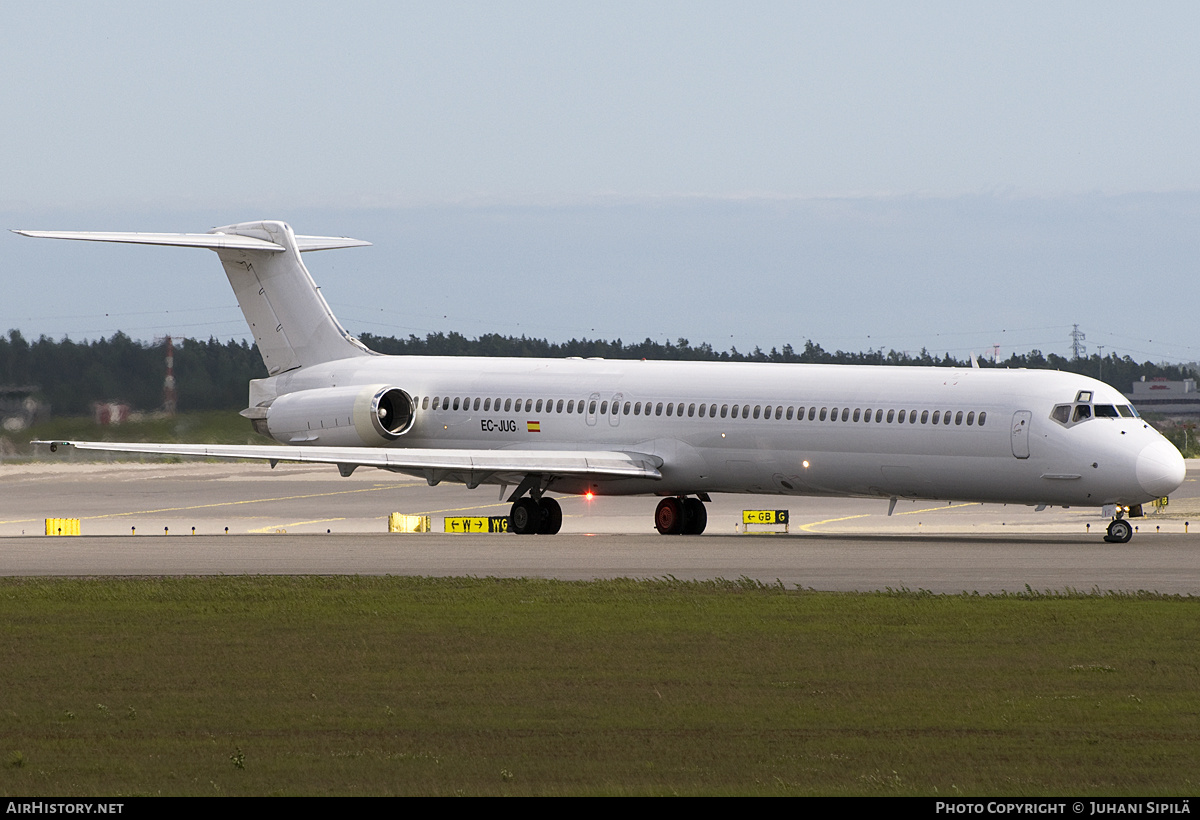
<point x="614" y="412"/>
<point x="1020" y="433"/>
<point x="593" y="406"/>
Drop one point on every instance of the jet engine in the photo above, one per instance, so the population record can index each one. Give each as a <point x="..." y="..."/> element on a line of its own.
<point x="371" y="415"/>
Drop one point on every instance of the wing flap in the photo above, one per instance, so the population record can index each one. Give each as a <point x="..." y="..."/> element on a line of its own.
<point x="598" y="463"/>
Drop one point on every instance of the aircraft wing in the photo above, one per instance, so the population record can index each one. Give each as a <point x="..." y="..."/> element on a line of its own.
<point x="469" y="466"/>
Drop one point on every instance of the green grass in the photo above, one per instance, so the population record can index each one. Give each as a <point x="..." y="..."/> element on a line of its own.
<point x="247" y="685"/>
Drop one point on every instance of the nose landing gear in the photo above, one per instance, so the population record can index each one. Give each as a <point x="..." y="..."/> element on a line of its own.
<point x="1119" y="531"/>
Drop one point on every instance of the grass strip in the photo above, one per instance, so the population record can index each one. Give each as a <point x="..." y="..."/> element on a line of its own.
<point x="481" y="686"/>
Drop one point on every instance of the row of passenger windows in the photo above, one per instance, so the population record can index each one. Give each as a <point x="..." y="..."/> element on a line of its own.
<point x="745" y="411"/>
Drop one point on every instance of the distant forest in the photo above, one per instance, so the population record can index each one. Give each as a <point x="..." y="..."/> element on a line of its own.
<point x="212" y="375"/>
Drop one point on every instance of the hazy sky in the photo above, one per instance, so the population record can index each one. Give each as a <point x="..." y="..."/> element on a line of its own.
<point x="949" y="175"/>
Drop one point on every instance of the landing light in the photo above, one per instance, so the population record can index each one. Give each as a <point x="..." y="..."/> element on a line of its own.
<point x="589" y="495"/>
<point x="805" y="463"/>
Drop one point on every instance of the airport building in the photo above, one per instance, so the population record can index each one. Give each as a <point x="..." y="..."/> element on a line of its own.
<point x="1165" y="397"/>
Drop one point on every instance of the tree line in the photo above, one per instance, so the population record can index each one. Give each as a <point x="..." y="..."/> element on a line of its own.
<point x="212" y="375"/>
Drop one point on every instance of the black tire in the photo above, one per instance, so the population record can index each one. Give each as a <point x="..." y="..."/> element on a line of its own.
<point x="1119" y="532"/>
<point x="695" y="516"/>
<point x="525" y="517"/>
<point x="551" y="517"/>
<point x="668" y="518"/>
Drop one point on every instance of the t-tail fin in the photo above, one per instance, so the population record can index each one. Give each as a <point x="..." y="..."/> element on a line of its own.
<point x="285" y="310"/>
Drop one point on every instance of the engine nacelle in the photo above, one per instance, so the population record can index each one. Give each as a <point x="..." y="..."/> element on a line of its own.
<point x="340" y="416"/>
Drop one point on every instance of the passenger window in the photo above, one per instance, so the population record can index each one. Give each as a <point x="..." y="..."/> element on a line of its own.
<point x="733" y="411"/>
<point x="982" y="417"/>
<point x="487" y="403"/>
<point x="603" y="407"/>
<point x="1082" y="412"/>
<point x="703" y="408"/>
<point x="558" y="408"/>
<point x="425" y="403"/>
<point x="823" y="414"/>
<point x="691" y="410"/>
<point x="756" y="409"/>
<point x="723" y="409"/>
<point x="970" y="418"/>
<point x="900" y="418"/>
<point x="670" y="408"/>
<point x="857" y="414"/>
<point x="925" y="417"/>
<point x="456" y="401"/>
<point x="937" y="414"/>
<point x="538" y="408"/>
<point x="845" y="414"/>
<point x="812" y="411"/>
<point x="958" y="417"/>
<point x="637" y="408"/>
<point x="476" y="404"/>
<point x="878" y="416"/>
<point x="627" y="405"/>
<point x="946" y="417"/>
<point x="789" y="413"/>
<point x="891" y="415"/>
<point x="712" y="411"/>
<point x="658" y="409"/>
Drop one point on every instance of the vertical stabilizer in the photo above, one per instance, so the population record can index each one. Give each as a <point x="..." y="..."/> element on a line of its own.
<point x="284" y="308"/>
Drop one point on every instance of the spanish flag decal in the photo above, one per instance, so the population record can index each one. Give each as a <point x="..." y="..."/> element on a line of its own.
<point x="533" y="426"/>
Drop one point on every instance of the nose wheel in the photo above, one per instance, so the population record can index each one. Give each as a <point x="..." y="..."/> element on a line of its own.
<point x="1119" y="532"/>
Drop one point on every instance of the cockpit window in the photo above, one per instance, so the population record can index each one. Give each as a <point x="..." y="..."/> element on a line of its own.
<point x="1082" y="412"/>
<point x="1061" y="413"/>
<point x="1084" y="396"/>
<point x="1105" y="411"/>
<point x="1126" y="411"/>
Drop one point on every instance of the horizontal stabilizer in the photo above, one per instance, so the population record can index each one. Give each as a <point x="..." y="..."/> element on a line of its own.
<point x="213" y="241"/>
<point x="602" y="464"/>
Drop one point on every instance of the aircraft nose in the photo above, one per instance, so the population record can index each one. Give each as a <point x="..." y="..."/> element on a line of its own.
<point x="1160" y="469"/>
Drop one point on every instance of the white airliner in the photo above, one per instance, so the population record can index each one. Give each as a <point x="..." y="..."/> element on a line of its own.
<point x="681" y="430"/>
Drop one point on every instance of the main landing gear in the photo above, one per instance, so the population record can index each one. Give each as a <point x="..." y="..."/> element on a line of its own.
<point x="542" y="516"/>
<point x="680" y="516"/>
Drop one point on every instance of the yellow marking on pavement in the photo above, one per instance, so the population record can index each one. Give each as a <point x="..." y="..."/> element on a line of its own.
<point x="273" y="527"/>
<point x="808" y="527"/>
<point x="464" y="509"/>
<point x="374" y="489"/>
<point x="939" y="509"/>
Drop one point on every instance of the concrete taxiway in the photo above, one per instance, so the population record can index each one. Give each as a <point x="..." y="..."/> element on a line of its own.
<point x="300" y="519"/>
